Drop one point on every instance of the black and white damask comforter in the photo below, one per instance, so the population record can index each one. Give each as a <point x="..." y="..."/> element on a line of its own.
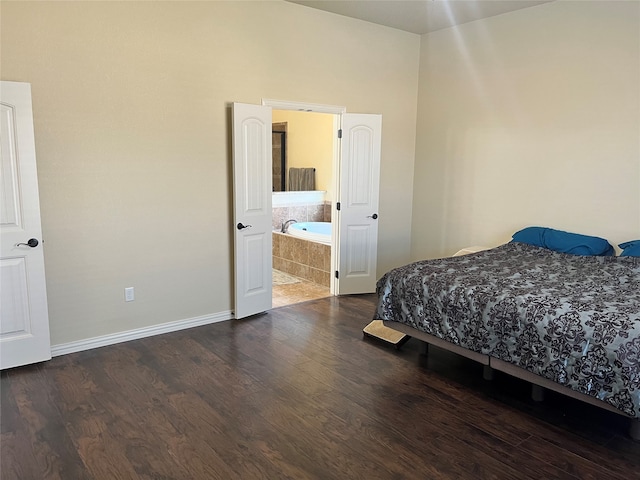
<point x="572" y="319"/>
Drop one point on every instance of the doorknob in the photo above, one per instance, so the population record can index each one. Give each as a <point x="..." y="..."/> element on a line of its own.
<point x="240" y="226"/>
<point x="32" y="242"/>
<point x="374" y="216"/>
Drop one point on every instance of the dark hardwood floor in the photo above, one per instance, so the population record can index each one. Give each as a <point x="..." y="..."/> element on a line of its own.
<point x="294" y="394"/>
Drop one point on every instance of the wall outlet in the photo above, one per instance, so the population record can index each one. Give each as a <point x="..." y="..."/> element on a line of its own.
<point x="129" y="295"/>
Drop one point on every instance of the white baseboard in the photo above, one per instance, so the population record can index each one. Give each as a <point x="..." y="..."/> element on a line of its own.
<point x="113" y="338"/>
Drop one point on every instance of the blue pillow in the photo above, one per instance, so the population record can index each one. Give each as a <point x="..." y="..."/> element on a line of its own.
<point x="630" y="249"/>
<point x="564" y="242"/>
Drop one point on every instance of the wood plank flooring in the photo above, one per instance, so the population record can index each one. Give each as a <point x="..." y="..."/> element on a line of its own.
<point x="295" y="393"/>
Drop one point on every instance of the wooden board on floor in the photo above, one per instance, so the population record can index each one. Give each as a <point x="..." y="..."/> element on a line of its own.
<point x="376" y="329"/>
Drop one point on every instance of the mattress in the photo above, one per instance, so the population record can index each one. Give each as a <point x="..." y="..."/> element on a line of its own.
<point x="572" y="319"/>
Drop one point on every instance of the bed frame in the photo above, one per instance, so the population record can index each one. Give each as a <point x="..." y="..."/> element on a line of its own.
<point x="538" y="383"/>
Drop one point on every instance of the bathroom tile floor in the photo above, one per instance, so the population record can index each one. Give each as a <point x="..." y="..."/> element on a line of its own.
<point x="302" y="291"/>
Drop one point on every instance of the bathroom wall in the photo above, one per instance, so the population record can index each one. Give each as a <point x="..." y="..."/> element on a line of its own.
<point x="310" y="143"/>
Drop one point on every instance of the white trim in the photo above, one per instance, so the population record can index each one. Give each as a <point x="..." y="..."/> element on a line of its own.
<point x="113" y="338"/>
<point x="303" y="107"/>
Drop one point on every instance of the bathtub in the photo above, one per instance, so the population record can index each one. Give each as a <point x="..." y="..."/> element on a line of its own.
<point x="315" y="231"/>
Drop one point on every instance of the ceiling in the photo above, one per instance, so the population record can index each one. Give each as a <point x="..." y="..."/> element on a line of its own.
<point x="419" y="16"/>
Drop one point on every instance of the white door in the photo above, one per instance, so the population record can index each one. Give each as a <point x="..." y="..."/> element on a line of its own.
<point x="358" y="196"/>
<point x="252" y="209"/>
<point x="24" y="318"/>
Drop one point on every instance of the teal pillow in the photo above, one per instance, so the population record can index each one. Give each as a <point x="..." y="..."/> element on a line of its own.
<point x="630" y="249"/>
<point x="564" y="242"/>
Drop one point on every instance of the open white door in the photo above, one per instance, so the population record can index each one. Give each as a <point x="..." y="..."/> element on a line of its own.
<point x="252" y="209"/>
<point x="24" y="318"/>
<point x="358" y="196"/>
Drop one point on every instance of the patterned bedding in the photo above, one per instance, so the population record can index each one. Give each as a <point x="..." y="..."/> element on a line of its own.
<point x="572" y="319"/>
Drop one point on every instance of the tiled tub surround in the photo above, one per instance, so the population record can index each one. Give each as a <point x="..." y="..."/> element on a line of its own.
<point x="300" y="213"/>
<point x="302" y="258"/>
<point x="299" y="206"/>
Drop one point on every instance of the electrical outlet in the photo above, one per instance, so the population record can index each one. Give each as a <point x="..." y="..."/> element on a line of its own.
<point x="129" y="295"/>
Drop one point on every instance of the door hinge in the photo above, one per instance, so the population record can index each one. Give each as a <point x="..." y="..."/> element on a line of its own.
<point x="337" y="274"/>
<point x="340" y="133"/>
<point x="337" y="205"/>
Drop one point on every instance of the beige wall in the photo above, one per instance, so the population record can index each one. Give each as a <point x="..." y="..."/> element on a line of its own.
<point x="529" y="118"/>
<point x="131" y="110"/>
<point x="310" y="144"/>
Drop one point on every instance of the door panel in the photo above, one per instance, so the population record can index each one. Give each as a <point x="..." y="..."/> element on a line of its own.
<point x="15" y="298"/>
<point x="358" y="250"/>
<point x="252" y="209"/>
<point x="24" y="319"/>
<point x="254" y="273"/>
<point x="358" y="196"/>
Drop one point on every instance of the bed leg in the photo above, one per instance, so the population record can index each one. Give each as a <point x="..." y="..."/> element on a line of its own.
<point x="425" y="349"/>
<point x="537" y="393"/>
<point x="487" y="372"/>
<point x="634" y="429"/>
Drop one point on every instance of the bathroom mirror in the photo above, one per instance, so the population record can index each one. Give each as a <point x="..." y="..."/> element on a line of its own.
<point x="302" y="140"/>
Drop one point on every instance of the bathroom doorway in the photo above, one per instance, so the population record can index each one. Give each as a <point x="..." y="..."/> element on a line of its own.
<point x="303" y="146"/>
<point x="354" y="218"/>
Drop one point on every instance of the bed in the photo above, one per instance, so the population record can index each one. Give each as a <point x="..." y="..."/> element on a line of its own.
<point x="566" y="322"/>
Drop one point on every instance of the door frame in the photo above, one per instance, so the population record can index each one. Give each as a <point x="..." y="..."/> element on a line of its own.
<point x="337" y="111"/>
<point x="303" y="107"/>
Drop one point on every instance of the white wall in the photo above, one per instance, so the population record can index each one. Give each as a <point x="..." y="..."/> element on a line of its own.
<point x="131" y="110"/>
<point x="529" y="118"/>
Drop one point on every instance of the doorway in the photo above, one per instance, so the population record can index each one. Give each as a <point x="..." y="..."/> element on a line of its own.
<point x="303" y="191"/>
<point x="356" y="168"/>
